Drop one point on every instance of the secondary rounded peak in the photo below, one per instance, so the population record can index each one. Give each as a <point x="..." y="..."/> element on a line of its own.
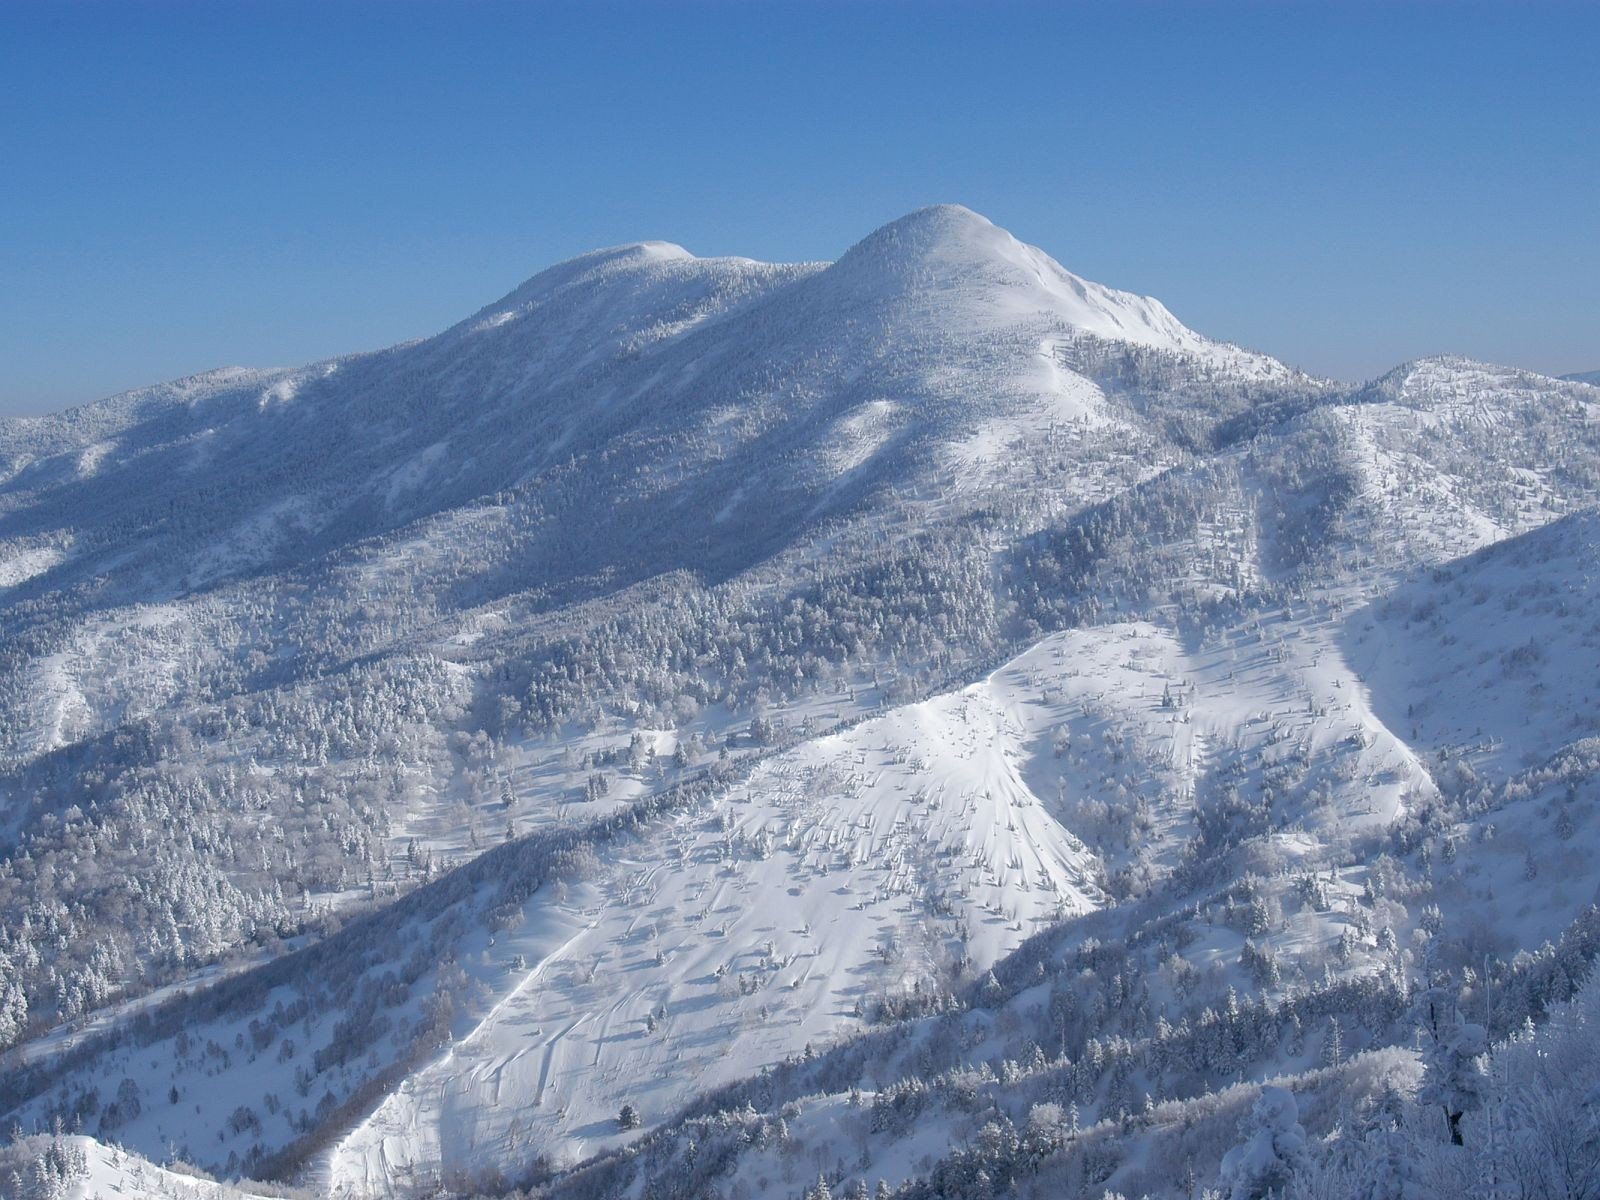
<point x="627" y="255"/>
<point x="1434" y="367"/>
<point x="610" y="266"/>
<point x="1451" y="380"/>
<point x="648" y="251"/>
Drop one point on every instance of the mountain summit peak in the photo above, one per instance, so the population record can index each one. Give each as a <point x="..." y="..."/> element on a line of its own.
<point x="947" y="234"/>
<point x="941" y="220"/>
<point x="950" y="251"/>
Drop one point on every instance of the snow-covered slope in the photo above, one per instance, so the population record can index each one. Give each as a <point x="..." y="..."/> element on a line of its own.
<point x="69" y="1167"/>
<point x="114" y="1174"/>
<point x="863" y="865"/>
<point x="1497" y="659"/>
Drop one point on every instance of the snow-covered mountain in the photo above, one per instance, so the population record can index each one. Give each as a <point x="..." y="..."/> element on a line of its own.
<point x="697" y="725"/>
<point x="639" y="381"/>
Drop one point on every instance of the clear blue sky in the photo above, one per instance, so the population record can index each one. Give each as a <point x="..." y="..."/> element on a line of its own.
<point x="188" y="185"/>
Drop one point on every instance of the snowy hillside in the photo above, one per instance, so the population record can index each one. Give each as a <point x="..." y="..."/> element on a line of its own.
<point x="80" y="1168"/>
<point x="1493" y="658"/>
<point x="862" y="865"/>
<point x="699" y="727"/>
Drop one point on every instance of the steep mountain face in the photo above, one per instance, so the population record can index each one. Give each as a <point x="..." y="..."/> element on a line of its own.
<point x="828" y="712"/>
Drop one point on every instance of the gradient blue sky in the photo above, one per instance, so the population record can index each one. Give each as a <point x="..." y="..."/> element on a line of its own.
<point x="188" y="185"/>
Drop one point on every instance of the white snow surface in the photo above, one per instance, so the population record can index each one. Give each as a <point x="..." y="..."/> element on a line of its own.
<point x="739" y="934"/>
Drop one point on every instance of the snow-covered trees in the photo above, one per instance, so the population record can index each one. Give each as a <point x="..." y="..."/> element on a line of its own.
<point x="1274" y="1149"/>
<point x="41" y="1168"/>
<point x="1527" y="1124"/>
<point x="13" y="1003"/>
<point x="1454" y="1081"/>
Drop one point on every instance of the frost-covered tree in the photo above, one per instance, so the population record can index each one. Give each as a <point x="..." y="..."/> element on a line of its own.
<point x="1453" y="1078"/>
<point x="1264" y="1164"/>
